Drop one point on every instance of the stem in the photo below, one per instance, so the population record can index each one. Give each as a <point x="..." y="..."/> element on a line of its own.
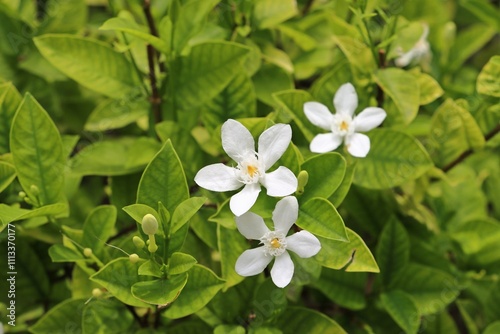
<point x="380" y="91"/>
<point x="152" y="27"/>
<point x="307" y="7"/>
<point x="465" y="154"/>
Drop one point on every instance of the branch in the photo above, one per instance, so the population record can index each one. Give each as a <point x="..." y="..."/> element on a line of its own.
<point x="466" y="154"/>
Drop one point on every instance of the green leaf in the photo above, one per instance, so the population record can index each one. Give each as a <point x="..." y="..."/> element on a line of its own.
<point x="37" y="151"/>
<point x="160" y="291"/>
<point x="320" y="217"/>
<point x="483" y="11"/>
<point x="237" y="100"/>
<point x="201" y="287"/>
<point x="394" y="158"/>
<point x="9" y="214"/>
<point x="488" y="81"/>
<point x="231" y="245"/>
<point x="9" y="101"/>
<point x="359" y="55"/>
<point x="453" y="131"/>
<point x="180" y="263"/>
<point x="102" y="316"/>
<point x="345" y="289"/>
<point x="58" y="319"/>
<point x="292" y="104"/>
<point x="326" y="173"/>
<point x="340" y="194"/>
<point x="431" y="289"/>
<point x="393" y="251"/>
<point x="118" y="276"/>
<point x="269" y="301"/>
<point x="271" y="79"/>
<point x="60" y="253"/>
<point x="122" y="156"/>
<point x="138" y="211"/>
<point x="429" y="90"/>
<point x="200" y="76"/>
<point x="492" y="328"/>
<point x="402" y="309"/>
<point x="91" y="63"/>
<point x="184" y="211"/>
<point x="99" y="227"/>
<point x="7" y="175"/>
<point x="151" y="268"/>
<point x="63" y="17"/>
<point x="353" y="255"/>
<point x="303" y="320"/>
<point x="403" y="89"/>
<point x="131" y="27"/>
<point x="163" y="180"/>
<point x="268" y="14"/>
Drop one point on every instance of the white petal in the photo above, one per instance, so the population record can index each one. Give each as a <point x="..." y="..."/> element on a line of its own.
<point x="245" y="199"/>
<point x="318" y="114"/>
<point x="303" y="243"/>
<point x="406" y="58"/>
<point x="346" y="99"/>
<point x="358" y="145"/>
<point x="282" y="271"/>
<point x="325" y="142"/>
<point x="369" y="119"/>
<point x="273" y="143"/>
<point x="252" y="262"/>
<point x="252" y="226"/>
<point x="217" y="177"/>
<point x="285" y="214"/>
<point x="236" y="139"/>
<point x="281" y="182"/>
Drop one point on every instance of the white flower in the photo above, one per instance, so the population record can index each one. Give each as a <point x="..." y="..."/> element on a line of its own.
<point x="275" y="243"/>
<point x="251" y="168"/>
<point x="343" y="126"/>
<point x="420" y="51"/>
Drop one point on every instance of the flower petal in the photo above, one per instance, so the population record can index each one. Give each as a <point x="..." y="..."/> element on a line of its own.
<point x="282" y="271"/>
<point x="368" y="119"/>
<point x="303" y="243"/>
<point x="285" y="214"/>
<point x="252" y="262"/>
<point x="318" y="114"/>
<point x="217" y="177"/>
<point x="236" y="139"/>
<point x="325" y="142"/>
<point x="245" y="199"/>
<point x="358" y="145"/>
<point x="252" y="226"/>
<point x="281" y="182"/>
<point x="346" y="99"/>
<point x="273" y="143"/>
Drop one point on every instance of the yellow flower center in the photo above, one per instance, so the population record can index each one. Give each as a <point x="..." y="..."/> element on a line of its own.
<point x="344" y="126"/>
<point x="252" y="170"/>
<point x="275" y="243"/>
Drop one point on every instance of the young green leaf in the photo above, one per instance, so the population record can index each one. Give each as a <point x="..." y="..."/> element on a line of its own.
<point x="180" y="263"/>
<point x="184" y="211"/>
<point x="60" y="253"/>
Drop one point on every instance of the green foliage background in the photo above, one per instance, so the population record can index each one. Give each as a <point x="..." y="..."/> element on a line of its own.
<point x="109" y="108"/>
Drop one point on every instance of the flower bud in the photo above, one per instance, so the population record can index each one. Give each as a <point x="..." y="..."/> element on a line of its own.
<point x="302" y="179"/>
<point x="34" y="190"/>
<point x="22" y="194"/>
<point x="138" y="242"/>
<point x="134" y="258"/>
<point x="87" y="252"/>
<point x="149" y="224"/>
<point x="97" y="293"/>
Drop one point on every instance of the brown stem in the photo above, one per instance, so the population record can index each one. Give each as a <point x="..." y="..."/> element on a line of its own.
<point x="465" y="154"/>
<point x="380" y="91"/>
<point x="152" y="27"/>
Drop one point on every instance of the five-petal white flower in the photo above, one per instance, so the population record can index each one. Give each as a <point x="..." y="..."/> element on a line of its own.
<point x="343" y="126"/>
<point x="250" y="172"/>
<point x="275" y="243"/>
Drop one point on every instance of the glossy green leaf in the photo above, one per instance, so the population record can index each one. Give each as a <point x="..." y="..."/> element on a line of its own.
<point x="7" y="175"/>
<point x="429" y="88"/>
<point x="320" y="217"/>
<point x="60" y="253"/>
<point x="118" y="276"/>
<point x="163" y="180"/>
<point x="488" y="82"/>
<point x="340" y="194"/>
<point x="353" y="255"/>
<point x="201" y="287"/>
<point x="151" y="268"/>
<point x="292" y="103"/>
<point x="138" y="211"/>
<point x="394" y="158"/>
<point x="344" y="289"/>
<point x="67" y="314"/>
<point x="303" y="320"/>
<point x="180" y="263"/>
<point x="403" y="89"/>
<point x="231" y="245"/>
<point x="103" y="316"/>
<point x="91" y="63"/>
<point x="205" y="72"/>
<point x="184" y="211"/>
<point x="10" y="214"/>
<point x="326" y="173"/>
<point x="37" y="151"/>
<point x="98" y="227"/>
<point x="453" y="131"/>
<point x="393" y="251"/>
<point x="9" y="101"/>
<point x="402" y="309"/>
<point x="270" y="13"/>
<point x="122" y="156"/>
<point x="160" y="291"/>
